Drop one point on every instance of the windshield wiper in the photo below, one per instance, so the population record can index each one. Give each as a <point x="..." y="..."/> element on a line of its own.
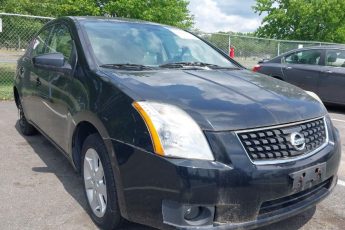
<point x="193" y="64"/>
<point x="184" y="64"/>
<point x="126" y="66"/>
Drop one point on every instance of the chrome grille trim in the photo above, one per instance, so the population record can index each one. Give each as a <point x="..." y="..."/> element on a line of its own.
<point x="289" y="159"/>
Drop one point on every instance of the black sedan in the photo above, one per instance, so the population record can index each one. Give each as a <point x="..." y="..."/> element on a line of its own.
<point x="167" y="131"/>
<point x="318" y="69"/>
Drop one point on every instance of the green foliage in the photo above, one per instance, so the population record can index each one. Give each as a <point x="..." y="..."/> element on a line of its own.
<point x="50" y="8"/>
<point x="322" y="20"/>
<point x="7" y="71"/>
<point x="172" y="12"/>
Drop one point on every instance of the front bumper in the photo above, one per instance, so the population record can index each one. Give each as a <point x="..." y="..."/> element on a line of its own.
<point x="312" y="197"/>
<point x="237" y="189"/>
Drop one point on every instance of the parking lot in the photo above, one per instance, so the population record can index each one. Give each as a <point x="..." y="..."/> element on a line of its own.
<point x="40" y="190"/>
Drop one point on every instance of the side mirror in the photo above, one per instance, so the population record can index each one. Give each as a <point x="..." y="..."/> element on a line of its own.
<point x="53" y="62"/>
<point x="49" y="60"/>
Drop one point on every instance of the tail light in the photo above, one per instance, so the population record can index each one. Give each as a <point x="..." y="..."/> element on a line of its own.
<point x="256" y="68"/>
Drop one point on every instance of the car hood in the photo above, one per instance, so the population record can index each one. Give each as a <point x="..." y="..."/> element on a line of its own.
<point x="222" y="100"/>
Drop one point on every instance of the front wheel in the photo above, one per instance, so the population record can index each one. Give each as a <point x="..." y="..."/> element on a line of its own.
<point x="25" y="127"/>
<point x="99" y="184"/>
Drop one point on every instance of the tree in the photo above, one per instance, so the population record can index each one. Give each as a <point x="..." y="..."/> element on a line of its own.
<point x="321" y="20"/>
<point x="171" y="12"/>
<point x="50" y="8"/>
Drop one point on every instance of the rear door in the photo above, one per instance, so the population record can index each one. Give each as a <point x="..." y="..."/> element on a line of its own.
<point x="332" y="79"/>
<point x="303" y="68"/>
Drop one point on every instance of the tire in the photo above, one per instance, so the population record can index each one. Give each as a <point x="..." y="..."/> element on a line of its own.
<point x="25" y="128"/>
<point x="99" y="190"/>
<point x="279" y="78"/>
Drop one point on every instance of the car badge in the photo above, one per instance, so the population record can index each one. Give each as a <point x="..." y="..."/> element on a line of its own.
<point x="298" y="141"/>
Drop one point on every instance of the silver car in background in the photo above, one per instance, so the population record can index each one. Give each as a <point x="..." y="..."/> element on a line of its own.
<point x="319" y="69"/>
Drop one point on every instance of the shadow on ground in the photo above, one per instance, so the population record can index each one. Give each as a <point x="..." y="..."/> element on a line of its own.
<point x="58" y="164"/>
<point x="336" y="109"/>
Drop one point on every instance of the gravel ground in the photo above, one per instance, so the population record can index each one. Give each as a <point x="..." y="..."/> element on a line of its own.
<point x="40" y="190"/>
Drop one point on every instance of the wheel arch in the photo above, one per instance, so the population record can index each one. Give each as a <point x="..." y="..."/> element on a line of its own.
<point x="278" y="77"/>
<point x="88" y="123"/>
<point x="16" y="96"/>
<point x="81" y="132"/>
<point x="84" y="124"/>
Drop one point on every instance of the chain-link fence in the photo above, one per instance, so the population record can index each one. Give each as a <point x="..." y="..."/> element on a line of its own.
<point x="16" y="31"/>
<point x="249" y="50"/>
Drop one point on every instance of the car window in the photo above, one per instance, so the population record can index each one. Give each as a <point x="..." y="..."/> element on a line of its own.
<point x="308" y="57"/>
<point x="148" y="44"/>
<point x="61" y="42"/>
<point x="335" y="58"/>
<point x="40" y="43"/>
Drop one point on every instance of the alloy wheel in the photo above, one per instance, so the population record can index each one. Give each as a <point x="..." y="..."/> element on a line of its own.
<point x="95" y="184"/>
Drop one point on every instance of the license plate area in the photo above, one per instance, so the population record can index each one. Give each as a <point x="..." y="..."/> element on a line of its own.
<point x="308" y="177"/>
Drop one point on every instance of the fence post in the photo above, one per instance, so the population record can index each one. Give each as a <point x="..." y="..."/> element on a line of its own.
<point x="278" y="48"/>
<point x="19" y="42"/>
<point x="229" y="44"/>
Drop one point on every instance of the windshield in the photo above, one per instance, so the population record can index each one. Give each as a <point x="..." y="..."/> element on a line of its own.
<point x="148" y="44"/>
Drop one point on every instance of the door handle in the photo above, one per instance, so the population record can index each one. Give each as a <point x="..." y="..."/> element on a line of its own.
<point x="288" y="67"/>
<point x="328" y="71"/>
<point x="38" y="82"/>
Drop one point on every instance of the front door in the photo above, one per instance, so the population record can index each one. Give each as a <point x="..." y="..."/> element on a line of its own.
<point x="57" y="104"/>
<point x="49" y="104"/>
<point x="35" y="89"/>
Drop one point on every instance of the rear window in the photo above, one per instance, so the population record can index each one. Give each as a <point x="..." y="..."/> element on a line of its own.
<point x="335" y="58"/>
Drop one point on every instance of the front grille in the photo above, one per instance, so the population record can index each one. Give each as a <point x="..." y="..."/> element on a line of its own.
<point x="288" y="201"/>
<point x="274" y="143"/>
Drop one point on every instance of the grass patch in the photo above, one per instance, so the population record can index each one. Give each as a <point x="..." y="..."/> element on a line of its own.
<point x="7" y="72"/>
<point x="6" y="92"/>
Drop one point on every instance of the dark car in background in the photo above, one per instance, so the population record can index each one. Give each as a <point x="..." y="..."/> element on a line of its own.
<point x="319" y="69"/>
<point x="168" y="131"/>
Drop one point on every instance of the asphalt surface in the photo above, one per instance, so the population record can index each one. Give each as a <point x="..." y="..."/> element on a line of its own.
<point x="40" y="190"/>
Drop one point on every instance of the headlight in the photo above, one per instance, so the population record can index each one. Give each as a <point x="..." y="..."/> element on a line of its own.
<point x="173" y="132"/>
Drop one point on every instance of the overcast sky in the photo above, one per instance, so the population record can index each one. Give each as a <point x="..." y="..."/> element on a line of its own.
<point x="224" y="15"/>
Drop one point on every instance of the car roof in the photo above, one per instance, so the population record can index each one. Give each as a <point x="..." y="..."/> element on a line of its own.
<point x="331" y="46"/>
<point x="78" y="19"/>
<point x="323" y="47"/>
<point x="112" y="19"/>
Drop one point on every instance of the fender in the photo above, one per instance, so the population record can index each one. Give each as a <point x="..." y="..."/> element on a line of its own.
<point x="87" y="116"/>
